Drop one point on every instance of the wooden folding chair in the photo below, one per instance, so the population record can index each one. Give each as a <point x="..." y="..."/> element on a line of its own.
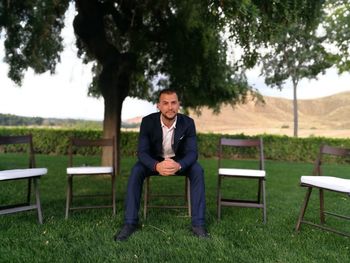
<point x="230" y="171"/>
<point x="83" y="169"/>
<point x="324" y="183"/>
<point x="30" y="174"/>
<point x="149" y="195"/>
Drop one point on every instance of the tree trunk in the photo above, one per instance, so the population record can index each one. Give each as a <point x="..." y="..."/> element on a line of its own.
<point x="117" y="68"/>
<point x="295" y="108"/>
<point x="114" y="82"/>
<point x="111" y="127"/>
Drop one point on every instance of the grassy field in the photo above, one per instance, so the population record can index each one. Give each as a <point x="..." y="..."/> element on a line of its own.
<point x="240" y="236"/>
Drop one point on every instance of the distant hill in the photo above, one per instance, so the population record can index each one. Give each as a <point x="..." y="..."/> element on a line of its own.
<point x="135" y="120"/>
<point x="327" y="116"/>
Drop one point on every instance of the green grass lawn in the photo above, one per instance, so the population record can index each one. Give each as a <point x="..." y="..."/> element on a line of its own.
<point x="87" y="236"/>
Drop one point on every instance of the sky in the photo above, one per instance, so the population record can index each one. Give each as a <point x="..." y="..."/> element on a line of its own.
<point x="64" y="94"/>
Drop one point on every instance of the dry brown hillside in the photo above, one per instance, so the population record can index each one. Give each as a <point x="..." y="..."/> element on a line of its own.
<point x="328" y="116"/>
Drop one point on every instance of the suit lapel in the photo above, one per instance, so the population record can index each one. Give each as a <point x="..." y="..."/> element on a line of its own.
<point x="178" y="132"/>
<point x="158" y="133"/>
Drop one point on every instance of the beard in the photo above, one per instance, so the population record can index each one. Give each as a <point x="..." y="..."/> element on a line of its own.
<point x="170" y="116"/>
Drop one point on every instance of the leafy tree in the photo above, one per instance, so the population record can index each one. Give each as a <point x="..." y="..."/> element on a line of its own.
<point x="32" y="35"/>
<point x="300" y="53"/>
<point x="337" y="28"/>
<point x="133" y="43"/>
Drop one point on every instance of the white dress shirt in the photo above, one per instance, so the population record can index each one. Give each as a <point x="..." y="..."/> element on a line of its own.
<point x="168" y="139"/>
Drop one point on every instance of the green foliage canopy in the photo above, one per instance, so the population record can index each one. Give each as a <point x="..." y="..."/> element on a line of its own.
<point x="337" y="28"/>
<point x="181" y="43"/>
<point x="32" y="35"/>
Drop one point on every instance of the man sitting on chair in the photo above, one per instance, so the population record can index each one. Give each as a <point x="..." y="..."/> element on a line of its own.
<point x="167" y="146"/>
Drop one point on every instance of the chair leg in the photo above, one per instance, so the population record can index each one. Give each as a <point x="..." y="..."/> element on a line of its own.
<point x="37" y="198"/>
<point x="259" y="191"/>
<point x="219" y="198"/>
<point x="264" y="200"/>
<point x="322" y="214"/>
<point x="69" y="194"/>
<point x="29" y="190"/>
<point x="113" y="195"/>
<point x="303" y="208"/>
<point x="146" y="197"/>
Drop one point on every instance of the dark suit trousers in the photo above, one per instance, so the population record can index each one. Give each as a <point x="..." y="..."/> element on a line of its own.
<point x="133" y="196"/>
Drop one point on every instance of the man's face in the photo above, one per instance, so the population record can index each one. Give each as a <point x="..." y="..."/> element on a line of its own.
<point x="168" y="105"/>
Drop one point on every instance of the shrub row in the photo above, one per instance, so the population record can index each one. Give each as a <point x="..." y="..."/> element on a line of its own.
<point x="276" y="147"/>
<point x="55" y="142"/>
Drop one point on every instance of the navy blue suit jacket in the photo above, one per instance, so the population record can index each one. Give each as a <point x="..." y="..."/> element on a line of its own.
<point x="151" y="138"/>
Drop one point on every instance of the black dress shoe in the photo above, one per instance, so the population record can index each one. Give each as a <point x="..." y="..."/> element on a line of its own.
<point x="125" y="232"/>
<point x="200" y="231"/>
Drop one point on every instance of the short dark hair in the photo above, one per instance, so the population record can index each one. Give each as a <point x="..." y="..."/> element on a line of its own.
<point x="166" y="91"/>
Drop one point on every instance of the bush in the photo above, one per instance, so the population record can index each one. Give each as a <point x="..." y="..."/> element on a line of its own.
<point x="55" y="142"/>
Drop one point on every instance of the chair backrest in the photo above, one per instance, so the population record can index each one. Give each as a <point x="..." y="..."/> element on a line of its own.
<point x="326" y="150"/>
<point x="99" y="144"/>
<point x="21" y="139"/>
<point x="242" y="143"/>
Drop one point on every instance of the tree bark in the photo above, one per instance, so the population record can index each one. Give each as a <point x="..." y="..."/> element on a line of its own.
<point x="295" y="108"/>
<point x="111" y="127"/>
<point x="114" y="83"/>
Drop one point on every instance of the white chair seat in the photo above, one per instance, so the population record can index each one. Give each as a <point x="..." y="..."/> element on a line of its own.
<point x="242" y="172"/>
<point x="327" y="182"/>
<point x="21" y="173"/>
<point x="90" y="170"/>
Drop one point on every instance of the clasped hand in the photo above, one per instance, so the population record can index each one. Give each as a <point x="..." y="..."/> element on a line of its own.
<point x="167" y="167"/>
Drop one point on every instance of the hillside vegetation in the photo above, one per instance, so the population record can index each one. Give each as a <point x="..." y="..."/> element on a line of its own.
<point x="327" y="116"/>
<point x="14" y="120"/>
